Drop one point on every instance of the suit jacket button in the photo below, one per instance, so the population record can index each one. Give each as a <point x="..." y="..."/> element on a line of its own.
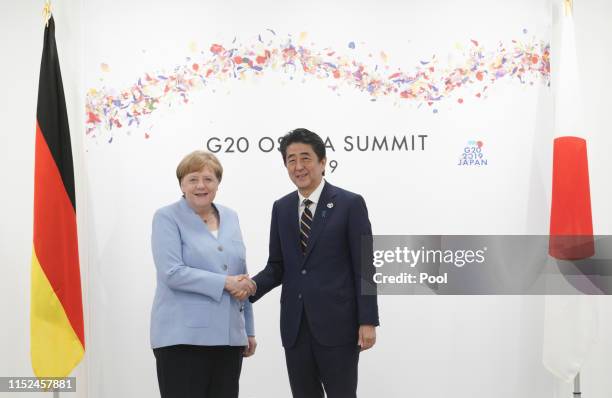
<point x="303" y="272"/>
<point x="220" y="248"/>
<point x="224" y="267"/>
<point x="300" y="296"/>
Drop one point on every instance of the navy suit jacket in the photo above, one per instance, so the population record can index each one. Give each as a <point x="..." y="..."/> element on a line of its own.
<point x="326" y="281"/>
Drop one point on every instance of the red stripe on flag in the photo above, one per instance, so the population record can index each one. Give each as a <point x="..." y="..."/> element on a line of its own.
<point x="55" y="235"/>
<point x="571" y="225"/>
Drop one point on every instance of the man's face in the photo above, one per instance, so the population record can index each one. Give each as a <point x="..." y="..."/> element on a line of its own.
<point x="304" y="168"/>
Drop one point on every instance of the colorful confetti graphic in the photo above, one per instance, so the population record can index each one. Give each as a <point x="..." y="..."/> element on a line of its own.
<point x="427" y="83"/>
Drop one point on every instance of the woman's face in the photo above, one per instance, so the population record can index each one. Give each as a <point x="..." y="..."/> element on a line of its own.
<point x="200" y="188"/>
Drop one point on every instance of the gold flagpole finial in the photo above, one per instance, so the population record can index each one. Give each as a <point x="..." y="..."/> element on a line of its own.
<point x="47" y="12"/>
<point x="568" y="5"/>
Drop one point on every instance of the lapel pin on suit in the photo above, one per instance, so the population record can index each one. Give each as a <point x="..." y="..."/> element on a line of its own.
<point x="324" y="212"/>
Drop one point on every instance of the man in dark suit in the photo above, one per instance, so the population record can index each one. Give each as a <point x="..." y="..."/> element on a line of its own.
<point x="316" y="254"/>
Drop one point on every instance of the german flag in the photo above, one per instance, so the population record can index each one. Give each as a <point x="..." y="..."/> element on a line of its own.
<point x="56" y="319"/>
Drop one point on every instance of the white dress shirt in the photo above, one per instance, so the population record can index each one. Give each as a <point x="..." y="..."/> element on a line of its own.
<point x="314" y="197"/>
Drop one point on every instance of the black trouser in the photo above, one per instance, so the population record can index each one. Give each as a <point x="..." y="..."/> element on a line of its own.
<point x="312" y="367"/>
<point x="190" y="371"/>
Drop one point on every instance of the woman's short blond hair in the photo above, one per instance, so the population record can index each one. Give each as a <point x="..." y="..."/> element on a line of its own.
<point x="196" y="161"/>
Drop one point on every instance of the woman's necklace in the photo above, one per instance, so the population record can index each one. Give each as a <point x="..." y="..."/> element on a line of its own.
<point x="210" y="217"/>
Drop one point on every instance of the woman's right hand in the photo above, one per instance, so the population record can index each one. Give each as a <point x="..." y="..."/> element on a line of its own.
<point x="240" y="286"/>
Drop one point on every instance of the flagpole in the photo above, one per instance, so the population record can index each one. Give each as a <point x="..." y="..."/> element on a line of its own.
<point x="46" y="17"/>
<point x="577" y="392"/>
<point x="568" y="6"/>
<point x="47" y="12"/>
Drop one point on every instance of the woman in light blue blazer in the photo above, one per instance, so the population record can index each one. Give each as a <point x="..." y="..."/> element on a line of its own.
<point x="201" y="323"/>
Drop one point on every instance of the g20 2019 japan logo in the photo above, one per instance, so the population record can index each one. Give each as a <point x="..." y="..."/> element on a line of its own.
<point x="473" y="154"/>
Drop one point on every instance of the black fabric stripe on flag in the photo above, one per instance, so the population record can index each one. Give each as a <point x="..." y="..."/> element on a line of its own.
<point x="51" y="111"/>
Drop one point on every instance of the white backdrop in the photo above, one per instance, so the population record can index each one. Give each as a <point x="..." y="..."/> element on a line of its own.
<point x="428" y="346"/>
<point x="422" y="339"/>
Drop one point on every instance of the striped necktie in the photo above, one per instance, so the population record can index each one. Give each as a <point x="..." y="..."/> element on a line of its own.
<point x="305" y="223"/>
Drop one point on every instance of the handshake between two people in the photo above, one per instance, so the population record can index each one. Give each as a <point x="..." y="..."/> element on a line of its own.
<point x="240" y="286"/>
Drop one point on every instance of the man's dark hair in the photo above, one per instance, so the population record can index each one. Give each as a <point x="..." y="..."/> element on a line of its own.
<point x="303" y="136"/>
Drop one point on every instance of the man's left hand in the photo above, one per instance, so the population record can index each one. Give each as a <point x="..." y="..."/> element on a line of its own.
<point x="367" y="337"/>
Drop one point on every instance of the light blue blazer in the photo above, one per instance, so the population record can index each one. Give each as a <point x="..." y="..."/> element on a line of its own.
<point x="191" y="305"/>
